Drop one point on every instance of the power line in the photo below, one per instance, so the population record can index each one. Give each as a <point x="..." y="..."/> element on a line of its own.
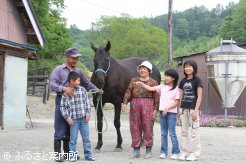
<point x="101" y="6"/>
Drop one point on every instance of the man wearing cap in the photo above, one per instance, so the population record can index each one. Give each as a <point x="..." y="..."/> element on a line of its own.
<point x="58" y="83"/>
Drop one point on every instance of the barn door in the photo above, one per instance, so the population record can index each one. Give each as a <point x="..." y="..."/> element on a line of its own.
<point x="1" y="87"/>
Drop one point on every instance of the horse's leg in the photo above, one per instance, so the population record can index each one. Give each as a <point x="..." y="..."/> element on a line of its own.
<point x="117" y="107"/>
<point x="99" y="124"/>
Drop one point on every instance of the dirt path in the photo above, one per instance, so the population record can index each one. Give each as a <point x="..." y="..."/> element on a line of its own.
<point x="219" y="145"/>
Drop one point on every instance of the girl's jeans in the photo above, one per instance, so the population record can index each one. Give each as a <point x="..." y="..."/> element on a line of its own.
<point x="168" y="124"/>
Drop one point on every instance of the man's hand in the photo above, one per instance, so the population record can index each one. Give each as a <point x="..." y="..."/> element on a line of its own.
<point x="88" y="117"/>
<point x="100" y="92"/>
<point x="123" y="107"/>
<point x="154" y="114"/>
<point x="70" y="121"/>
<point x="68" y="91"/>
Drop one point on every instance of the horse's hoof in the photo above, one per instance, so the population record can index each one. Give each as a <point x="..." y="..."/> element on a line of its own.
<point x="118" y="149"/>
<point x="97" y="150"/>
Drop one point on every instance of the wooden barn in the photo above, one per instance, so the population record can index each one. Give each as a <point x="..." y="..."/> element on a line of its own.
<point x="18" y="30"/>
<point x="211" y="104"/>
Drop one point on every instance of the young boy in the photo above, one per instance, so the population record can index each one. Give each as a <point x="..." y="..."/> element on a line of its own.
<point x="76" y="111"/>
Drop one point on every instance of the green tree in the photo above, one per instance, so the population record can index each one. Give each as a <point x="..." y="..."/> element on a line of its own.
<point x="234" y="26"/>
<point x="53" y="26"/>
<point x="201" y="44"/>
<point x="195" y="22"/>
<point x="81" y="40"/>
<point x="181" y="29"/>
<point x="131" y="37"/>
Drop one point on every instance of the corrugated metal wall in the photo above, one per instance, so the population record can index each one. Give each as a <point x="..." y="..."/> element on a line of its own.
<point x="12" y="25"/>
<point x="211" y="103"/>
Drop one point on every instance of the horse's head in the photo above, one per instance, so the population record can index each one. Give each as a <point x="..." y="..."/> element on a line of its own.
<point x="101" y="63"/>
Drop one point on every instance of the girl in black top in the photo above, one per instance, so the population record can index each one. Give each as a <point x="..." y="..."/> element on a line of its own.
<point x="191" y="97"/>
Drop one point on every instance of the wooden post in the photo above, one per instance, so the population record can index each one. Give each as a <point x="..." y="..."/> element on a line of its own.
<point x="38" y="77"/>
<point x="33" y="86"/>
<point x="46" y="87"/>
<point x="170" y="34"/>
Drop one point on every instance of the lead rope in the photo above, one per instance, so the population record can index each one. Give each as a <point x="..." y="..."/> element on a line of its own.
<point x="99" y="102"/>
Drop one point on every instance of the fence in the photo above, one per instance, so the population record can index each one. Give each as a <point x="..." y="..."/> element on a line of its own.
<point x="37" y="83"/>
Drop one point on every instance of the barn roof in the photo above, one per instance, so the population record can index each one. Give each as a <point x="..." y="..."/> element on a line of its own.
<point x="183" y="56"/>
<point x="18" y="49"/>
<point x="14" y="44"/>
<point x="33" y="31"/>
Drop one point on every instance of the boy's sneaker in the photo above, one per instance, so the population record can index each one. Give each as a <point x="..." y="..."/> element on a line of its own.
<point x="90" y="159"/>
<point x="192" y="157"/>
<point x="76" y="158"/>
<point x="175" y="156"/>
<point x="182" y="157"/>
<point x="73" y="159"/>
<point x="162" y="156"/>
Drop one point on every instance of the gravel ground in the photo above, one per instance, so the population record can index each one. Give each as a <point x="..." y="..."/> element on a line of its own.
<point x="219" y="145"/>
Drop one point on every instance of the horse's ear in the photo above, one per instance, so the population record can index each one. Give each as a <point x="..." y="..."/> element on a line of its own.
<point x="93" y="47"/>
<point x="108" y="46"/>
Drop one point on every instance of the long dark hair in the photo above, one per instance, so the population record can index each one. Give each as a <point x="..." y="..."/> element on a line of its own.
<point x="174" y="74"/>
<point x="193" y="64"/>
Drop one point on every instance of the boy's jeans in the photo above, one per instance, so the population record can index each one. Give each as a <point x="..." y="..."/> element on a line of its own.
<point x="168" y="123"/>
<point x="80" y="125"/>
<point x="194" y="140"/>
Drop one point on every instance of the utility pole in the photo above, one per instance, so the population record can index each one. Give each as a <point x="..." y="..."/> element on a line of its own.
<point x="170" y="33"/>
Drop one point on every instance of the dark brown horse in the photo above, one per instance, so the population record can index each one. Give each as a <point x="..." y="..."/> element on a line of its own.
<point x="114" y="76"/>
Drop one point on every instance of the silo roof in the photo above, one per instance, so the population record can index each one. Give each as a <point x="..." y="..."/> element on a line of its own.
<point x="228" y="49"/>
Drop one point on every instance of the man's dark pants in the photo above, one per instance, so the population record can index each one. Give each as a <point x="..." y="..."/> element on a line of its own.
<point x="62" y="131"/>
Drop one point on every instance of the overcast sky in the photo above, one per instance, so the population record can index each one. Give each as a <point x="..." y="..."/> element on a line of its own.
<point x="84" y="12"/>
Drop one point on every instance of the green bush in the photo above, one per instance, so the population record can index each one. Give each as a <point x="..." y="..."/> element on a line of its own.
<point x="242" y="118"/>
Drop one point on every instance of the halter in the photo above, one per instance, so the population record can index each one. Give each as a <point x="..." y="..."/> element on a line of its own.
<point x="101" y="70"/>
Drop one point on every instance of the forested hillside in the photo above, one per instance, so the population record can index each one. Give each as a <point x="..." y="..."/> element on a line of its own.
<point x="195" y="22"/>
<point x="195" y="30"/>
<point x="198" y="29"/>
<point x="130" y="37"/>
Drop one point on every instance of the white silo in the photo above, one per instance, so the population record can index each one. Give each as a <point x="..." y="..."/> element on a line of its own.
<point x="226" y="66"/>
